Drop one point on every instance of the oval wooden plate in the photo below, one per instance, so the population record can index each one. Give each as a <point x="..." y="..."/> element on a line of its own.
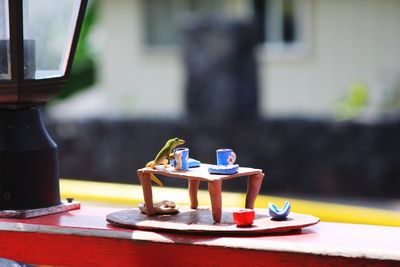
<point x="201" y="221"/>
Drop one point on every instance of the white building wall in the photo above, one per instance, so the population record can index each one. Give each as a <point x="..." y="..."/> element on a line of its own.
<point x="349" y="41"/>
<point x="139" y="81"/>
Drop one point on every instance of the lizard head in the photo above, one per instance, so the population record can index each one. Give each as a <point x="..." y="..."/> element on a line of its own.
<point x="174" y="142"/>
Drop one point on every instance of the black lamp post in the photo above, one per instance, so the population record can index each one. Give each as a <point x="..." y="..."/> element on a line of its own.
<point x="37" y="43"/>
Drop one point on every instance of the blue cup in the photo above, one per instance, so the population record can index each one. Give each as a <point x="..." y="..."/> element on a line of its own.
<point x="225" y="157"/>
<point x="181" y="158"/>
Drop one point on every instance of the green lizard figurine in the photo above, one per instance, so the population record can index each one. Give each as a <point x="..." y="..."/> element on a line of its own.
<point x="163" y="157"/>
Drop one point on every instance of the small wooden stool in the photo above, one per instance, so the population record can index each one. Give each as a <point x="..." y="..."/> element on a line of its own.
<point x="194" y="176"/>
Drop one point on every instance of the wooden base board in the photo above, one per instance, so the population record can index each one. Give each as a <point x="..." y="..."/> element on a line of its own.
<point x="25" y="214"/>
<point x="201" y="221"/>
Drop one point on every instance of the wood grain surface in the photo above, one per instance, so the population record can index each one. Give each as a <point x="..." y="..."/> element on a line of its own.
<point x="201" y="221"/>
<point x="199" y="173"/>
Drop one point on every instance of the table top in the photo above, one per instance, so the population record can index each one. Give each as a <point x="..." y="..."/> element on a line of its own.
<point x="200" y="173"/>
<point x="332" y="239"/>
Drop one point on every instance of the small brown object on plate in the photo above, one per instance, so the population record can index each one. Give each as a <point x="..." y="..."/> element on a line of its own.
<point x="162" y="207"/>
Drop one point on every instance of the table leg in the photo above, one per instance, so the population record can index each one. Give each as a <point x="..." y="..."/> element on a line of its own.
<point x="214" y="189"/>
<point x="253" y="188"/>
<point x="193" y="186"/>
<point x="145" y="181"/>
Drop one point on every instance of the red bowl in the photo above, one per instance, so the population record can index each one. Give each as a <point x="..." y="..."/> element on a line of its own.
<point x="243" y="217"/>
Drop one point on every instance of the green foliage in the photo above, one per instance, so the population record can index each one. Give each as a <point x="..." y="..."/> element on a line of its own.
<point x="353" y="104"/>
<point x="83" y="71"/>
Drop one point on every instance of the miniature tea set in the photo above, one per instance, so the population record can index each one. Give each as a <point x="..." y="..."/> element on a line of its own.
<point x="167" y="216"/>
<point x="225" y="161"/>
<point x="225" y="165"/>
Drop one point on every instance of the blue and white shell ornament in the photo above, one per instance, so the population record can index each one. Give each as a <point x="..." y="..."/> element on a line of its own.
<point x="278" y="214"/>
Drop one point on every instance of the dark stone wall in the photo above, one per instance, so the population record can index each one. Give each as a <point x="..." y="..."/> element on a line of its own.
<point x="221" y="70"/>
<point x="299" y="156"/>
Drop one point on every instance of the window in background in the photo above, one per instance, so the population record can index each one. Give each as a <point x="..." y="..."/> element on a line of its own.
<point x="281" y="21"/>
<point x="163" y="18"/>
<point x="284" y="26"/>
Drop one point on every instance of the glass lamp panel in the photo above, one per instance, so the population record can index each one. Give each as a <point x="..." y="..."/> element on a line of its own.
<point x="49" y="27"/>
<point x="5" y="64"/>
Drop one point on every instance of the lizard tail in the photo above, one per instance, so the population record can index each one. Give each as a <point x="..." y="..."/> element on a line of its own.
<point x="156" y="180"/>
<point x="152" y="164"/>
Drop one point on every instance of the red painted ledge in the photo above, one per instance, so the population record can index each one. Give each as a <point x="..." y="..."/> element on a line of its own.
<point x="84" y="238"/>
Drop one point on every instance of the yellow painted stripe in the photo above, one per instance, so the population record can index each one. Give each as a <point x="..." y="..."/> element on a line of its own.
<point x="131" y="195"/>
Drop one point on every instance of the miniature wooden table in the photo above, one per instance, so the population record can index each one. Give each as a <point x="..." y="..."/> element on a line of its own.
<point x="194" y="176"/>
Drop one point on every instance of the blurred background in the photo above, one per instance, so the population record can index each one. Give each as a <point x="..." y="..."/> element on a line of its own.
<point x="307" y="90"/>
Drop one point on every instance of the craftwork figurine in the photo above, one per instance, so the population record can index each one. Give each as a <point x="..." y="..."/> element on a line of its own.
<point x="244" y="217"/>
<point x="225" y="162"/>
<point x="163" y="157"/>
<point x="168" y="216"/>
<point x="163" y="207"/>
<point x="278" y="214"/>
<point x="192" y="163"/>
<point x="225" y="156"/>
<point x="181" y="159"/>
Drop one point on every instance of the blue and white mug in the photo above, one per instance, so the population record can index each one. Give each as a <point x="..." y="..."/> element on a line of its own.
<point x="225" y="157"/>
<point x="181" y="159"/>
